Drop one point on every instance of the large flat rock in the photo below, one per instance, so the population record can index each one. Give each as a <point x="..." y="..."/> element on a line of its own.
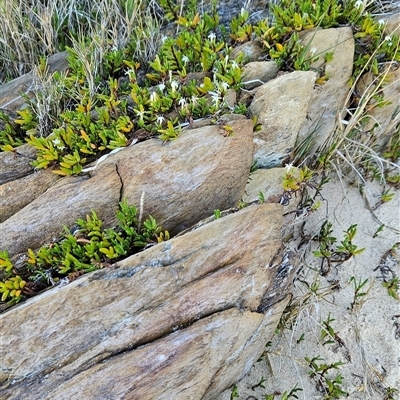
<point x="179" y="182"/>
<point x="184" y="319"/>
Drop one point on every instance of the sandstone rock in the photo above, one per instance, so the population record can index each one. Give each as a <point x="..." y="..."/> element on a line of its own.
<point x="281" y="107"/>
<point x="383" y="121"/>
<point x="257" y="73"/>
<point x="16" y="164"/>
<point x="41" y="221"/>
<point x="328" y="99"/>
<point x="10" y="93"/>
<point x="184" y="319"/>
<point x="17" y="194"/>
<point x="393" y="23"/>
<point x="183" y="181"/>
<point x="251" y="51"/>
<point x="187" y="179"/>
<point x="267" y="181"/>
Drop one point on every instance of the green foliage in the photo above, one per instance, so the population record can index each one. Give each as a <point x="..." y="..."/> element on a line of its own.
<point x="392" y="286"/>
<point x="241" y="30"/>
<point x="327" y="332"/>
<point x="285" y="395"/>
<point x="12" y="289"/>
<point x="83" y="249"/>
<point x="331" y="253"/>
<point x="234" y="393"/>
<point x="12" y="135"/>
<point x="330" y="386"/>
<point x="358" y="293"/>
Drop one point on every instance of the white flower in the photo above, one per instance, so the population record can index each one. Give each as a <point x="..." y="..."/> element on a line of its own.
<point x="185" y="59"/>
<point x="313" y="50"/>
<point x="161" y="86"/>
<point x="174" y="86"/>
<point x="388" y="39"/>
<point x="160" y="119"/>
<point x="164" y="38"/>
<point x="381" y="22"/>
<point x="182" y="101"/>
<point x="358" y="4"/>
<point x="225" y="85"/>
<point x="215" y="98"/>
<point x="234" y="64"/>
<point x="153" y="97"/>
<point x="289" y="167"/>
<point x="242" y="11"/>
<point x="194" y="99"/>
<point x="140" y="114"/>
<point x="58" y="144"/>
<point x="212" y="36"/>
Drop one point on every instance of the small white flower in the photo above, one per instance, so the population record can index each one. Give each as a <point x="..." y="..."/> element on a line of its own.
<point x="153" y="97"/>
<point x="164" y="38"/>
<point x="161" y="86"/>
<point x="215" y="98"/>
<point x="381" y="22"/>
<point x="388" y="39"/>
<point x="234" y="64"/>
<point x="58" y="144"/>
<point x="313" y="50"/>
<point x="160" y="119"/>
<point x="185" y="59"/>
<point x="358" y="4"/>
<point x="194" y="99"/>
<point x="289" y="167"/>
<point x="174" y="86"/>
<point x="242" y="11"/>
<point x="140" y="114"/>
<point x="225" y="85"/>
<point x="182" y="101"/>
<point x="212" y="36"/>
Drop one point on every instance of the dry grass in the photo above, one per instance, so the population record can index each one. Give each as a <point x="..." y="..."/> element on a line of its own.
<point x="32" y="30"/>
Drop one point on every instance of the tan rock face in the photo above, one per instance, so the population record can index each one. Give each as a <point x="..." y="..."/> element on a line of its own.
<point x="328" y="100"/>
<point x="41" y="221"/>
<point x="17" y="194"/>
<point x="187" y="179"/>
<point x="183" y="181"/>
<point x="281" y="107"/>
<point x="15" y="165"/>
<point x="259" y="72"/>
<point x="184" y="319"/>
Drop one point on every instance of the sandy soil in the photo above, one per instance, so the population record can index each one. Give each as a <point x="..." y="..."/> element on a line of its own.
<point x="366" y="337"/>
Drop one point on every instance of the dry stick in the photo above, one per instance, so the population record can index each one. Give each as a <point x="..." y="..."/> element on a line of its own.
<point x="141" y="210"/>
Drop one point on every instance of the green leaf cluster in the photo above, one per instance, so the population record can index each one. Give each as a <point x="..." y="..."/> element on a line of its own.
<point x="85" y="248"/>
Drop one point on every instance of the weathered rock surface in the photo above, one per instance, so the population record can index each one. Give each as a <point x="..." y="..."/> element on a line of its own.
<point x="183" y="181"/>
<point x="258" y="72"/>
<point x="383" y="120"/>
<point x="17" y="164"/>
<point x="328" y="99"/>
<point x="281" y="107"/>
<point x="17" y="194"/>
<point x="10" y="93"/>
<point x="184" y="319"/>
<point x="251" y="51"/>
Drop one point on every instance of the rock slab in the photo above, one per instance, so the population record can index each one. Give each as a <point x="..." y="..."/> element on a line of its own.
<point x="281" y="108"/>
<point x="179" y="182"/>
<point x="184" y="319"/>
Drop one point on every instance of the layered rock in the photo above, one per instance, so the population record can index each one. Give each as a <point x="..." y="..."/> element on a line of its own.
<point x="281" y="108"/>
<point x="184" y="319"/>
<point x="179" y="183"/>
